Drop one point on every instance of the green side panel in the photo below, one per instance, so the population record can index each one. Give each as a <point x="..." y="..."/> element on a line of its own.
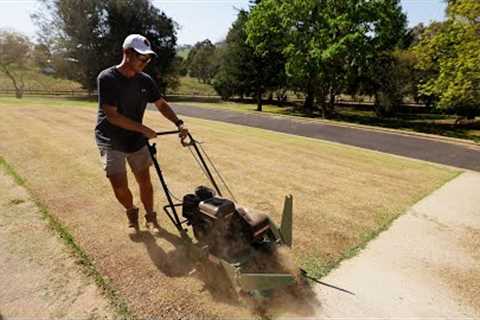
<point x="287" y="221"/>
<point x="264" y="281"/>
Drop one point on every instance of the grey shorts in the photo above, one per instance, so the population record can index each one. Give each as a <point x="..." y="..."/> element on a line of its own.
<point x="114" y="161"/>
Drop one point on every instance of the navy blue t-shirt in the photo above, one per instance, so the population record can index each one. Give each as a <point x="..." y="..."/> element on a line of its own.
<point x="130" y="96"/>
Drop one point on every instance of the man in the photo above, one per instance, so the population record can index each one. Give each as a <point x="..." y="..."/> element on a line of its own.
<point x="123" y="93"/>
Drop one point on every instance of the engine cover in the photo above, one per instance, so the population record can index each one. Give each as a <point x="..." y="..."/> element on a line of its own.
<point x="258" y="223"/>
<point x="217" y="208"/>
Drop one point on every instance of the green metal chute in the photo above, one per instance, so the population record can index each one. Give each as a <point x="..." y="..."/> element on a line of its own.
<point x="287" y="221"/>
<point x="264" y="281"/>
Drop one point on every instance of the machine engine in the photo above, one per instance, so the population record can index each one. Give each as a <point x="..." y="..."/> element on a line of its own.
<point x="227" y="229"/>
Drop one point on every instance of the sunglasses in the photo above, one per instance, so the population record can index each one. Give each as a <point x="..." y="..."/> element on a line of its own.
<point x="142" y="58"/>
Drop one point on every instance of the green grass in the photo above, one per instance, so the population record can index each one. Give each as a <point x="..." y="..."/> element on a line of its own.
<point x="234" y="106"/>
<point x="48" y="101"/>
<point x="437" y="124"/>
<point x="35" y="80"/>
<point x="192" y="86"/>
<point x="82" y="257"/>
<point x="9" y="170"/>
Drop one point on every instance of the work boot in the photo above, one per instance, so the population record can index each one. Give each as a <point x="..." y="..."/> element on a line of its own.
<point x="151" y="219"/>
<point x="132" y="215"/>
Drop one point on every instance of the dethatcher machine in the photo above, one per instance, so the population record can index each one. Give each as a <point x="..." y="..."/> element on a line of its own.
<point x="231" y="241"/>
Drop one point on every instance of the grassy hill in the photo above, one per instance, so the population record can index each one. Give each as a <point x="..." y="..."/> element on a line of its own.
<point x="192" y="86"/>
<point x="35" y="80"/>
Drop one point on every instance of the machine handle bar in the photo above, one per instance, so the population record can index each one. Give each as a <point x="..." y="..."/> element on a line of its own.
<point x="183" y="140"/>
<point x="163" y="133"/>
<point x="192" y="143"/>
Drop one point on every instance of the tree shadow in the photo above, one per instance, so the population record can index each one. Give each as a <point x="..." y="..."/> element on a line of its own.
<point x="424" y="123"/>
<point x="81" y="98"/>
<point x="430" y="123"/>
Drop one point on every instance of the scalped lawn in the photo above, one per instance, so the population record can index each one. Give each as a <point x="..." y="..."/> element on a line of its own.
<point x="343" y="196"/>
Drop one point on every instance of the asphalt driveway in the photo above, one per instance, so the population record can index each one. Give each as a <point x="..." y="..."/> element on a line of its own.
<point x="460" y="155"/>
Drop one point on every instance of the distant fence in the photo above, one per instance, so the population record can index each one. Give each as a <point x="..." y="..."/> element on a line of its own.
<point x="359" y="105"/>
<point x="85" y="93"/>
<point x="355" y="104"/>
<point x="39" y="92"/>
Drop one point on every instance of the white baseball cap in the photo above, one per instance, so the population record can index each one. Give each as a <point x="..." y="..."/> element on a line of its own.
<point x="138" y="43"/>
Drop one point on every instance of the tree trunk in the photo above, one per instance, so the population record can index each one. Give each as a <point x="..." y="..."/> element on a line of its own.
<point x="308" y="104"/>
<point x="322" y="94"/>
<point x="259" y="100"/>
<point x="309" y="98"/>
<point x="270" y="98"/>
<point x="330" y="108"/>
<point x="19" y="88"/>
<point x="19" y="93"/>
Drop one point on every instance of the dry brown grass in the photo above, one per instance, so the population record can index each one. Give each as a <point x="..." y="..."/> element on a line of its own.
<point x="342" y="196"/>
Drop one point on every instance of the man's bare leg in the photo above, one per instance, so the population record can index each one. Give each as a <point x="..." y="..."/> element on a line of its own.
<point x="146" y="194"/>
<point x="124" y="196"/>
<point x="120" y="188"/>
<point x="146" y="189"/>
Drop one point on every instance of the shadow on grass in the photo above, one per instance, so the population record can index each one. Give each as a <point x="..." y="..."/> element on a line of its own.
<point x="174" y="263"/>
<point x="178" y="263"/>
<point x="425" y="123"/>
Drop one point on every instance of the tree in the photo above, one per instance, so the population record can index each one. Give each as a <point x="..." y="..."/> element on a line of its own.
<point x="245" y="73"/>
<point x="89" y="35"/>
<point x="202" y="61"/>
<point x="450" y="53"/>
<point x="325" y="43"/>
<point x="387" y="68"/>
<point x="393" y="79"/>
<point x="15" y="52"/>
<point x="180" y="66"/>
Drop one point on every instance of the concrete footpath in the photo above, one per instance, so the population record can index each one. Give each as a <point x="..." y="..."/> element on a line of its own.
<point x="418" y="146"/>
<point x="426" y="266"/>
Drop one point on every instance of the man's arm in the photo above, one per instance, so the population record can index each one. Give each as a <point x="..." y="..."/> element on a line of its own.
<point x="168" y="113"/>
<point x="114" y="117"/>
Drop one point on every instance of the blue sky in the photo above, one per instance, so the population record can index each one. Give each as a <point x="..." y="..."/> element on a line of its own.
<point x="201" y="19"/>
